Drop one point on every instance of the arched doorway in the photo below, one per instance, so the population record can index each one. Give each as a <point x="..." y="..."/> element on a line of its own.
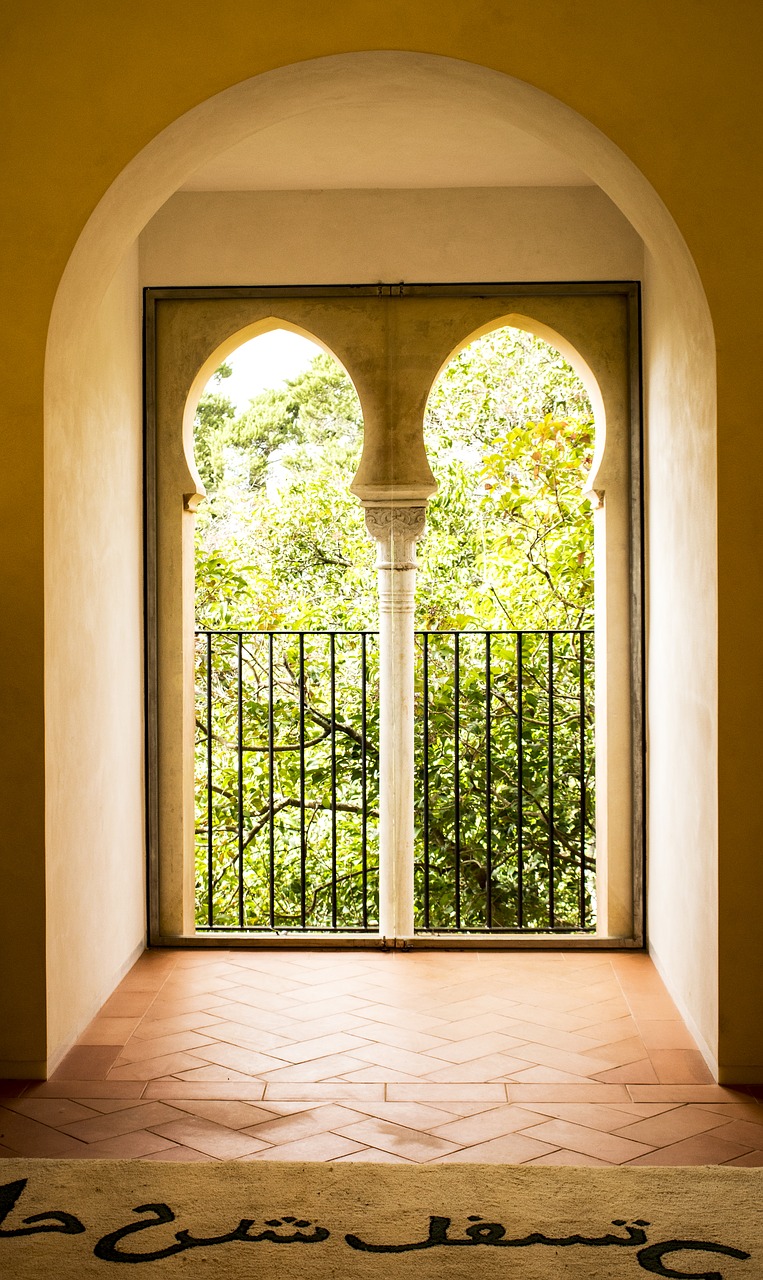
<point x="506" y="739"/>
<point x="680" y="363"/>
<point x="286" y="757"/>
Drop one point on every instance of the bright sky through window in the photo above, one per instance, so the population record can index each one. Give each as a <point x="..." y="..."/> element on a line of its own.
<point x="265" y="362"/>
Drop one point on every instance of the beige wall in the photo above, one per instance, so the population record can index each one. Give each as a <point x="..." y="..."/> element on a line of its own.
<point x="356" y="237"/>
<point x="94" y="648"/>
<point x="681" y="680"/>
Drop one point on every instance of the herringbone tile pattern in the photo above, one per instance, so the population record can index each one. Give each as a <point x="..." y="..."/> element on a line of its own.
<point x="514" y="1057"/>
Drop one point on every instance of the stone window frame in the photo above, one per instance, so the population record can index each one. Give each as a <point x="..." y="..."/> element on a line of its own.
<point x="188" y="331"/>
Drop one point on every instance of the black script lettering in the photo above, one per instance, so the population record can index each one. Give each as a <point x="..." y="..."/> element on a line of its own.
<point x="494" y="1235"/>
<point x="650" y="1259"/>
<point x="107" y="1250"/>
<point x="243" y="1233"/>
<point x="106" y="1247"/>
<point x="438" y="1235"/>
<point x="55" y="1220"/>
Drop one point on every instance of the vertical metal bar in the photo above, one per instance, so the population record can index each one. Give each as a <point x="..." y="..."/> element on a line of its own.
<point x="364" y="776"/>
<point x="425" y="699"/>
<point x="210" y="807"/>
<point x="488" y="781"/>
<point x="302" y="836"/>
<point x="240" y="750"/>
<point x="271" y="782"/>
<point x="551" y="845"/>
<point x="457" y="768"/>
<point x="520" y="785"/>
<point x="332" y="664"/>
<point x="582" y="779"/>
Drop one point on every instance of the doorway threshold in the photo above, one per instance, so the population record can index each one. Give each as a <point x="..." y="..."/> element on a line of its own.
<point x="258" y="940"/>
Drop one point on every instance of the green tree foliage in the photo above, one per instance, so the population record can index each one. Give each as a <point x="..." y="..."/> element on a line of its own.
<point x="214" y="415"/>
<point x="509" y="434"/>
<point x="281" y="515"/>
<point x="281" y="547"/>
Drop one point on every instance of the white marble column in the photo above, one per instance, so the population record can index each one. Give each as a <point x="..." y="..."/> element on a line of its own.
<point x="396" y="530"/>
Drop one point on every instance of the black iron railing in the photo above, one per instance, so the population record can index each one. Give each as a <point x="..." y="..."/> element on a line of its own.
<point x="287" y="778"/>
<point x="505" y="781"/>
<point x="287" y="763"/>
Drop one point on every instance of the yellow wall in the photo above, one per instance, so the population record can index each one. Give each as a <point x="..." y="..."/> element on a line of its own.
<point x="677" y="88"/>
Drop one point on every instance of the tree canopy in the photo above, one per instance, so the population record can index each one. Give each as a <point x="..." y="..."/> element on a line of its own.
<point x="509" y="434"/>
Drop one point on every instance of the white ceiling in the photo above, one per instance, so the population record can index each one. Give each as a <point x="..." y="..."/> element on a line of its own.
<point x="395" y="143"/>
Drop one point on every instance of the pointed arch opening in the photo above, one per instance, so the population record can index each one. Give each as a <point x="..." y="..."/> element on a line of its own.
<point x="286" y="743"/>
<point x="506" y="668"/>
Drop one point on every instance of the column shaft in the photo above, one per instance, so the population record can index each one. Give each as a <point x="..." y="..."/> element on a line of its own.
<point x="396" y="530"/>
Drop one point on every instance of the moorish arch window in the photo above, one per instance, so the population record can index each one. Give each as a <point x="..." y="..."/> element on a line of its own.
<point x="504" y="721"/>
<point x="443" y="746"/>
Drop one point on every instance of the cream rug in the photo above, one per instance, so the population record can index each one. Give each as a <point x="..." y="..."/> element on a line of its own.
<point x="318" y="1221"/>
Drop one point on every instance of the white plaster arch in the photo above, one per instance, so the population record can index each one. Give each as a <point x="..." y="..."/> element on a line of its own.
<point x="270" y="324"/>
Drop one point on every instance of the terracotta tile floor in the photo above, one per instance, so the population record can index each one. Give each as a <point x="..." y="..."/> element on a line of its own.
<point x="424" y="1056"/>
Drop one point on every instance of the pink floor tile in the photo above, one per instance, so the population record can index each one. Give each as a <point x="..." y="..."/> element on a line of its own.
<point x="590" y="1142"/>
<point x="247" y="1090"/>
<point x="469" y="1130"/>
<point x="303" y="1124"/>
<point x="592" y="1115"/>
<point x="703" y="1148"/>
<point x="55" y="1112"/>
<point x="320" y="1146"/>
<point x="574" y="1158"/>
<point x="511" y="1148"/>
<point x="372" y="1155"/>
<point x="683" y="1122"/>
<point x="210" y="1138"/>
<point x="397" y="1139"/>
<point x="114" y="1124"/>
<point x="232" y="1114"/>
<point x="545" y="1057"/>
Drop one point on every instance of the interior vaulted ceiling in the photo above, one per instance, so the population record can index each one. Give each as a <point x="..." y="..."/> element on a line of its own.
<point x="391" y="142"/>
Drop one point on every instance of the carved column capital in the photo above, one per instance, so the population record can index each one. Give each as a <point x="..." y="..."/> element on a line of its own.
<point x="396" y="530"/>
